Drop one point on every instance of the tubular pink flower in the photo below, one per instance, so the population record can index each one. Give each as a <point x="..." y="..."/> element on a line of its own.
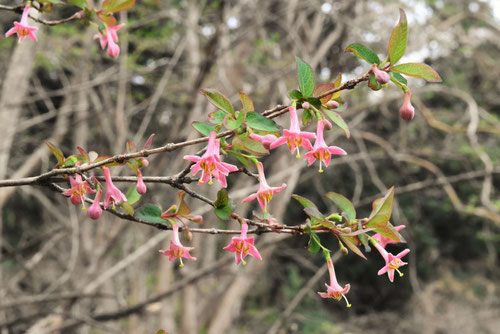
<point x="381" y="76"/>
<point x="334" y="290"/>
<point x="321" y="151"/>
<point x="294" y="137"/>
<point x="95" y="210"/>
<point x="392" y="262"/>
<point x="266" y="140"/>
<point x="407" y="112"/>
<point x="383" y="240"/>
<point x="210" y="164"/>
<point x="78" y="190"/>
<point x="243" y="246"/>
<point x="177" y="251"/>
<point x="110" y="38"/>
<point x="265" y="192"/>
<point x="22" y="28"/>
<point x="141" y="186"/>
<point x="113" y="194"/>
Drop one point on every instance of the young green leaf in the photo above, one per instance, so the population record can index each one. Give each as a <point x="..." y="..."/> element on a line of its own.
<point x="362" y="52"/>
<point x="304" y="201"/>
<point x="417" y="70"/>
<point x="56" y="151"/>
<point x="344" y="204"/>
<point x="231" y="123"/>
<point x="203" y="128"/>
<point x="216" y="117"/>
<point x="382" y="209"/>
<point x="306" y="77"/>
<point x="247" y="102"/>
<point x="398" y="77"/>
<point x="399" y="39"/>
<point x="223" y="212"/>
<point x="249" y="145"/>
<point x="150" y="213"/>
<point x="295" y="94"/>
<point x="351" y="243"/>
<point x="78" y="3"/>
<point x="222" y="198"/>
<point x="114" y="6"/>
<point x="314" y="244"/>
<point x="337" y="119"/>
<point x="241" y="157"/>
<point x="218" y="100"/>
<point x="132" y="195"/>
<point x="307" y="117"/>
<point x="258" y="122"/>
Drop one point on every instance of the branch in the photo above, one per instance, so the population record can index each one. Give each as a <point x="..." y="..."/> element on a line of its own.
<point x="19" y="10"/>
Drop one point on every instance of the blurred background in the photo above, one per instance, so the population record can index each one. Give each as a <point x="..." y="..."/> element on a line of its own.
<point x="60" y="272"/>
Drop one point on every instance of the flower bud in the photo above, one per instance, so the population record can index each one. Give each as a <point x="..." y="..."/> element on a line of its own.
<point x="141" y="186"/>
<point x="95" y="210"/>
<point x="381" y="76"/>
<point x="332" y="104"/>
<point x="306" y="105"/>
<point x="407" y="111"/>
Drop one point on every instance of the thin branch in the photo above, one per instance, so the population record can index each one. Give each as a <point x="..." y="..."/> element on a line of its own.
<point x="19" y="10"/>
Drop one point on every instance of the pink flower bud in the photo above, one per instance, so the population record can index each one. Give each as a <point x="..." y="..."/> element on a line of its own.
<point x="306" y="105"/>
<point x="332" y="104"/>
<point x="144" y="162"/>
<point x="141" y="186"/>
<point x="381" y="76"/>
<point x="95" y="210"/>
<point x="407" y="111"/>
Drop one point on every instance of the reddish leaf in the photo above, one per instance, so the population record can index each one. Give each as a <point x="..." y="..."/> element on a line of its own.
<point x="323" y="88"/>
<point x="399" y="39"/>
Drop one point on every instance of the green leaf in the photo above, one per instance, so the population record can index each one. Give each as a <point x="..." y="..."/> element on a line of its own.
<point x="217" y="117"/>
<point x="150" y="213"/>
<point x="337" y="83"/>
<point x="222" y="198"/>
<point x="315" y="102"/>
<point x="306" y="77"/>
<point x="399" y="39"/>
<point x="364" y="53"/>
<point x="304" y="201"/>
<point x="249" y="145"/>
<point x="295" y="94"/>
<point x="114" y="6"/>
<point x="350" y="242"/>
<point x="314" y="244"/>
<point x="398" y="77"/>
<point x="241" y="157"/>
<point x="132" y="195"/>
<point x="203" y="128"/>
<point x="382" y="209"/>
<point x="417" y="70"/>
<point x="247" y="102"/>
<point x="323" y="88"/>
<point x="390" y="232"/>
<point x="307" y="117"/>
<point x="71" y="161"/>
<point x="231" y="123"/>
<point x="314" y="213"/>
<point x="344" y="205"/>
<point x="55" y="151"/>
<point x="78" y="3"/>
<point x="337" y="119"/>
<point x="373" y="83"/>
<point x="218" y="100"/>
<point x="223" y="212"/>
<point x="127" y="208"/>
<point x="259" y="122"/>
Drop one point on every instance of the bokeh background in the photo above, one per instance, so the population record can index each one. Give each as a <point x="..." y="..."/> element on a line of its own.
<point x="60" y="272"/>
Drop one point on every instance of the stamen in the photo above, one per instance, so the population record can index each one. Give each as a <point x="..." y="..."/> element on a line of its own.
<point x="400" y="273"/>
<point x="347" y="302"/>
<point x="298" y="153"/>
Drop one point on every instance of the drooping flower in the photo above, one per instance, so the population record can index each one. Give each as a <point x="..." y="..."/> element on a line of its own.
<point x="210" y="164"/>
<point x="141" y="186"/>
<point x="110" y="38"/>
<point x="266" y="140"/>
<point x="113" y="194"/>
<point x="177" y="250"/>
<point x="95" y="210"/>
<point x="243" y="246"/>
<point x="294" y="137"/>
<point x="407" y="112"/>
<point x="78" y="190"/>
<point x="321" y="151"/>
<point x="265" y="192"/>
<point x="392" y="262"/>
<point x="334" y="290"/>
<point x="381" y="76"/>
<point x="383" y="240"/>
<point x="22" y="28"/>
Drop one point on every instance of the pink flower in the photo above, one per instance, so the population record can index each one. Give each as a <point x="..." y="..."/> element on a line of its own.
<point x="113" y="194"/>
<point x="383" y="240"/>
<point x="141" y="186"/>
<point x="334" y="290"/>
<point x="381" y="76"/>
<point x="321" y="151"/>
<point x="78" y="190"/>
<point x="265" y="192"/>
<point x="392" y="262"/>
<point x="266" y="140"/>
<point x="22" y="28"/>
<point x="210" y="164"/>
<point x="177" y="251"/>
<point x="294" y="137"/>
<point x="407" y="112"/>
<point x="243" y="246"/>
<point x="95" y="210"/>
<point x="110" y="38"/>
